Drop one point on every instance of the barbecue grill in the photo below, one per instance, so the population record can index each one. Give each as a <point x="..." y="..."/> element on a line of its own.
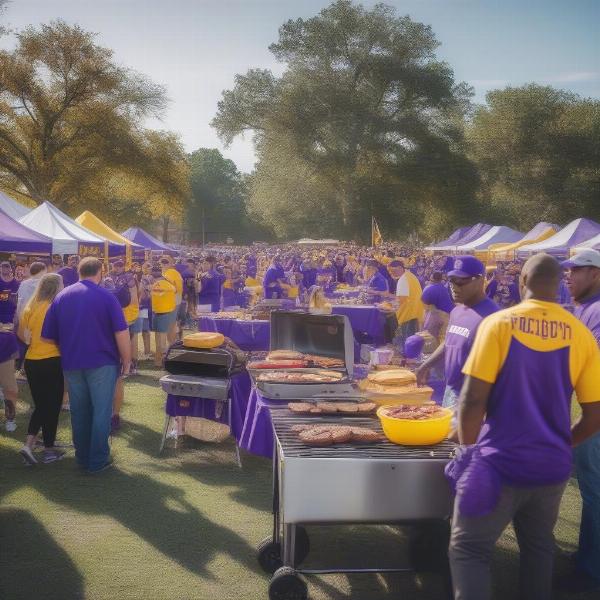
<point x="201" y="373"/>
<point x="380" y="483"/>
<point x="323" y="335"/>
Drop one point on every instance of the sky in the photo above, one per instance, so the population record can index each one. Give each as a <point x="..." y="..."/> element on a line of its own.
<point x="196" y="47"/>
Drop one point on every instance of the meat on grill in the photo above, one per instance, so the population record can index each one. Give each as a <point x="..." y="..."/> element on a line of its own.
<point x="326" y="435"/>
<point x="415" y="412"/>
<point x="332" y="408"/>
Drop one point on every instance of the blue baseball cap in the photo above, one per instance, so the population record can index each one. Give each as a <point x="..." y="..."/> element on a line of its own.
<point x="467" y="266"/>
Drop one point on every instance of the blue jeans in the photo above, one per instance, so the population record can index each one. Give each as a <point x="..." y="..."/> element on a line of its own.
<point x="587" y="464"/>
<point x="91" y="393"/>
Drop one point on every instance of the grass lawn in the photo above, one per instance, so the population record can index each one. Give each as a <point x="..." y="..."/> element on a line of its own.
<point x="183" y="525"/>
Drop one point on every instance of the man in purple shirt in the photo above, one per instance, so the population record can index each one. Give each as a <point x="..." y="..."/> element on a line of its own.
<point x="87" y="323"/>
<point x="583" y="281"/>
<point x="9" y="287"/>
<point x="69" y="273"/>
<point x="274" y="280"/>
<point x="467" y="281"/>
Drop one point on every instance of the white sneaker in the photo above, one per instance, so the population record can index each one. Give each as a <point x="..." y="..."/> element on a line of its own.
<point x="11" y="425"/>
<point x="28" y="456"/>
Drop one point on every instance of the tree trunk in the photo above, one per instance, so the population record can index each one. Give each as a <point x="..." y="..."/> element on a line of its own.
<point x="165" y="227"/>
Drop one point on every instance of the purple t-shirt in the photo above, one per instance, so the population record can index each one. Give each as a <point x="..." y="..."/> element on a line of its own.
<point x="8" y="345"/>
<point x="589" y="314"/>
<point x="8" y="300"/>
<point x="69" y="275"/>
<point x="462" y="327"/>
<point x="83" y="320"/>
<point x="438" y="295"/>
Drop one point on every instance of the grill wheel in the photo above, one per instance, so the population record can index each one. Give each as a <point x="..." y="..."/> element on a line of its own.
<point x="269" y="552"/>
<point x="287" y="585"/>
<point x="269" y="555"/>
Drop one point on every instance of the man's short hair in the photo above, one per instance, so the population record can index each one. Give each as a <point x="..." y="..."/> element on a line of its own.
<point x="36" y="267"/>
<point x="164" y="260"/>
<point x="89" y="267"/>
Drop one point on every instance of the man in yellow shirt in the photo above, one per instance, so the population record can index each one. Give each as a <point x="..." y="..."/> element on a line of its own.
<point x="515" y="427"/>
<point x="173" y="276"/>
<point x="410" y="311"/>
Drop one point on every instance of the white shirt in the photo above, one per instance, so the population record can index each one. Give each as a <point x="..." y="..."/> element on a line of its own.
<point x="402" y="288"/>
<point x="26" y="291"/>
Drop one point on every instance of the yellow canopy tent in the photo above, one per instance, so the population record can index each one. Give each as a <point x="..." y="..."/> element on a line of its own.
<point x="93" y="223"/>
<point x="542" y="231"/>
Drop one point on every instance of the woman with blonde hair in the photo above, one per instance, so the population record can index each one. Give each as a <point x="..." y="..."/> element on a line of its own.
<point x="44" y="371"/>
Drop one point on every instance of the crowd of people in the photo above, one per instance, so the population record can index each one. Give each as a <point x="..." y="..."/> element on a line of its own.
<point x="512" y="342"/>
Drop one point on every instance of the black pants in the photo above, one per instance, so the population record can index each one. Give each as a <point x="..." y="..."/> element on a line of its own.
<point x="390" y="326"/>
<point x="46" y="383"/>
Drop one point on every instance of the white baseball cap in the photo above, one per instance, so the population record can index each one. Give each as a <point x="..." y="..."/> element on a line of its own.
<point x="586" y="258"/>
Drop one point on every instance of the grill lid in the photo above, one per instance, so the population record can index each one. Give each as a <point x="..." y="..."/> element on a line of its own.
<point x="325" y="335"/>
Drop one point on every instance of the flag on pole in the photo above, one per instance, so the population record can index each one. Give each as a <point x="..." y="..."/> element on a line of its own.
<point x="376" y="238"/>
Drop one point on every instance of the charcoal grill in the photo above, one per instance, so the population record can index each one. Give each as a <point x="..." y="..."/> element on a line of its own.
<point x="380" y="483"/>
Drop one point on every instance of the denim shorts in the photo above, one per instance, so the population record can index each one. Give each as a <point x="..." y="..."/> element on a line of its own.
<point x="162" y="321"/>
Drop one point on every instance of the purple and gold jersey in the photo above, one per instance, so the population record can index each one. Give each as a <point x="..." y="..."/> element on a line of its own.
<point x="462" y="327"/>
<point x="535" y="354"/>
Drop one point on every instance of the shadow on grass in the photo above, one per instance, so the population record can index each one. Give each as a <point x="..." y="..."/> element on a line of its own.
<point x="156" y="512"/>
<point x="31" y="563"/>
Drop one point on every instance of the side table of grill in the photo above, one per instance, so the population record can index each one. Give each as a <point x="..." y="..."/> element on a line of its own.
<point x="375" y="484"/>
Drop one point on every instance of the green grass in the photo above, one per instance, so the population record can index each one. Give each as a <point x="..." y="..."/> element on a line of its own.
<point x="182" y="525"/>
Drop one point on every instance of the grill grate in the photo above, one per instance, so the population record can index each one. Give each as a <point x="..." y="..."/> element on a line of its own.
<point x="292" y="447"/>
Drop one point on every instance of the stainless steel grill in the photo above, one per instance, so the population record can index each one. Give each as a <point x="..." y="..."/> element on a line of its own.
<point x="346" y="483"/>
<point x="292" y="447"/>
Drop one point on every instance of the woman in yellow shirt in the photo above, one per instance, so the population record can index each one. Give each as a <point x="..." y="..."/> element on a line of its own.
<point x="44" y="371"/>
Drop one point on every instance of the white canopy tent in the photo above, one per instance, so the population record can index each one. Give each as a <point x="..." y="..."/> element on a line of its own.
<point x="311" y="242"/>
<point x="68" y="237"/>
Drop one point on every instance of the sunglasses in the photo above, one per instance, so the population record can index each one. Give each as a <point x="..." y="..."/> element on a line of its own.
<point x="461" y="281"/>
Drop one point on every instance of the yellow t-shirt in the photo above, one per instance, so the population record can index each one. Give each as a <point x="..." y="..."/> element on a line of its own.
<point x="173" y="276"/>
<point x="163" y="296"/>
<point x="541" y="329"/>
<point x="32" y="319"/>
<point x="412" y="307"/>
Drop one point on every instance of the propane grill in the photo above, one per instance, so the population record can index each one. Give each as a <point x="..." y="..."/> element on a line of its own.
<point x="379" y="483"/>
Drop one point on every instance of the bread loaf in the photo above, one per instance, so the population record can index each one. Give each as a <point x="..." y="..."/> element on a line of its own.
<point x="395" y="377"/>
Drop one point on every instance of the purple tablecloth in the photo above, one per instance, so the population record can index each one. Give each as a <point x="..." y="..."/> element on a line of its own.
<point x="239" y="392"/>
<point x="257" y="434"/>
<point x="366" y="321"/>
<point x="248" y="335"/>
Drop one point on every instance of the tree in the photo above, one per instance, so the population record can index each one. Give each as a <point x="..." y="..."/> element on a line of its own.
<point x="365" y="102"/>
<point x="69" y="122"/>
<point x="538" y="151"/>
<point x="161" y="194"/>
<point x="217" y="209"/>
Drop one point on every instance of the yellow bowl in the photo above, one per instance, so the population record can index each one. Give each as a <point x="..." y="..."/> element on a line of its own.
<point x="412" y="432"/>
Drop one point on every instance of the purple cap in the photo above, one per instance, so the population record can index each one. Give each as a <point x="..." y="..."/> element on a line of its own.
<point x="413" y="346"/>
<point x="467" y="266"/>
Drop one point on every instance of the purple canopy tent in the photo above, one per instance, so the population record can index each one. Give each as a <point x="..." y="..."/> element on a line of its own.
<point x="472" y="234"/>
<point x="573" y="234"/>
<point x="149" y="242"/>
<point x="15" y="237"/>
<point x="451" y="241"/>
<point x="11" y="207"/>
<point x="494" y="235"/>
